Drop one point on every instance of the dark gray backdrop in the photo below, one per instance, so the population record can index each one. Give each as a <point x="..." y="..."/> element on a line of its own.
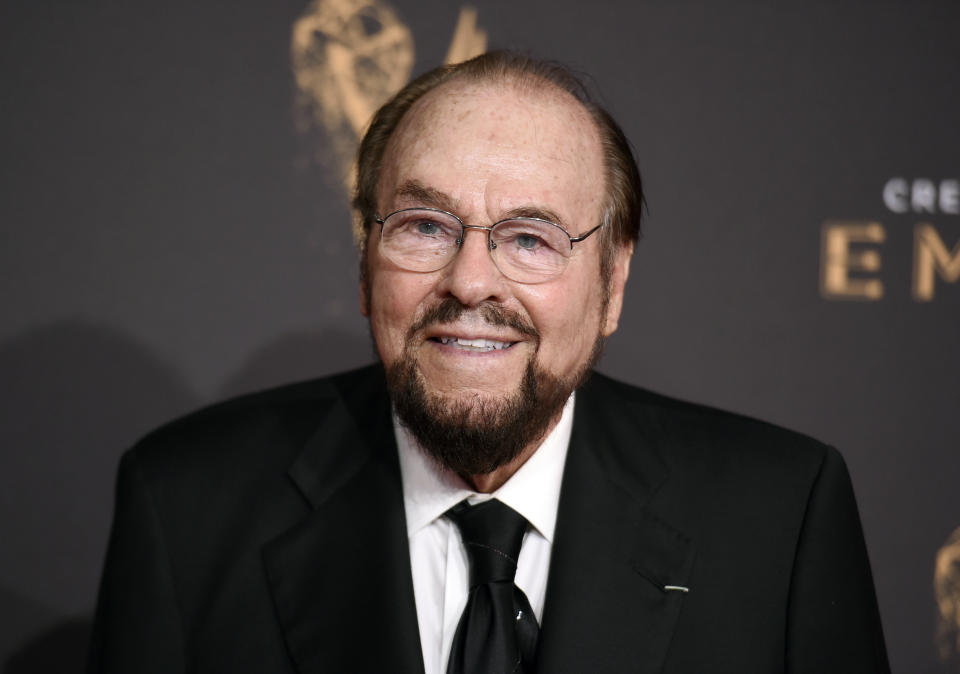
<point x="168" y="237"/>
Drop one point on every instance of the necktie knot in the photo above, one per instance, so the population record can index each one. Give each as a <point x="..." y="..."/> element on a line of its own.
<point x="492" y="535"/>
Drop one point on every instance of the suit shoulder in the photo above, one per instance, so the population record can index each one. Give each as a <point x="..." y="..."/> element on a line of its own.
<point x="702" y="429"/>
<point x="265" y="426"/>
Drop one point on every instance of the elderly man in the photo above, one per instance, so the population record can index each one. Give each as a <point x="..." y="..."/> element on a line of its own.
<point x="481" y="501"/>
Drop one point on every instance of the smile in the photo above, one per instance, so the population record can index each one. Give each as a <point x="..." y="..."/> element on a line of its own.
<point x="478" y="344"/>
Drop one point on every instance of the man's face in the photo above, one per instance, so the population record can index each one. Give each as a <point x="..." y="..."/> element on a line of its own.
<point x="484" y="153"/>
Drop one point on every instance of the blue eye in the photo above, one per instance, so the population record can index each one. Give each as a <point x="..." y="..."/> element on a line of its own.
<point x="527" y="241"/>
<point x="428" y="228"/>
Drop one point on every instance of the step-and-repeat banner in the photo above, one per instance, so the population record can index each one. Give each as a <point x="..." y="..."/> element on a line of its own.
<point x="176" y="230"/>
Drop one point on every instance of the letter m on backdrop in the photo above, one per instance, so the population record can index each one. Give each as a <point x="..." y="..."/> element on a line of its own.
<point x="930" y="257"/>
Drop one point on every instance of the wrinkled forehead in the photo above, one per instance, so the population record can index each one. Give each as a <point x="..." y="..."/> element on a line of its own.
<point x="528" y="133"/>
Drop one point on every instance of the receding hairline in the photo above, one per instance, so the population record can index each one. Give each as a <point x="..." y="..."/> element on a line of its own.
<point x="519" y="81"/>
<point x="524" y="84"/>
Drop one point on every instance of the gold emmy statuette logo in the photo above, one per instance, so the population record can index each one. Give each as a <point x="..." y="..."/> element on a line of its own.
<point x="468" y="40"/>
<point x="946" y="585"/>
<point x="349" y="57"/>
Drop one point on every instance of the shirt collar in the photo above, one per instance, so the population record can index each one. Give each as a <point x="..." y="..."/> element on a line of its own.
<point x="429" y="490"/>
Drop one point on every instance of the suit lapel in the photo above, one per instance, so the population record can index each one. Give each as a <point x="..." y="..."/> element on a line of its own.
<point x="606" y="607"/>
<point x="341" y="578"/>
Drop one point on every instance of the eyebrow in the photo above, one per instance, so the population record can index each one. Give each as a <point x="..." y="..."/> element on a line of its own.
<point x="422" y="195"/>
<point x="416" y="191"/>
<point x="538" y="212"/>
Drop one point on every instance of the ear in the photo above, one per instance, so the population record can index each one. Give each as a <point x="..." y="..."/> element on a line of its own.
<point x="618" y="282"/>
<point x="364" y="299"/>
<point x="364" y="286"/>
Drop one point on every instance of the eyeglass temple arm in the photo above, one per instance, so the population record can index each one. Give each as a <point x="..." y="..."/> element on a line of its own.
<point x="578" y="239"/>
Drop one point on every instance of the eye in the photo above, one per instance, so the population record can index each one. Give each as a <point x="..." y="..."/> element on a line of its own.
<point x="427" y="228"/>
<point x="529" y="238"/>
<point x="528" y="241"/>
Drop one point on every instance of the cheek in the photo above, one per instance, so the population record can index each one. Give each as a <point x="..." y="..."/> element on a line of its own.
<point x="395" y="298"/>
<point x="568" y="321"/>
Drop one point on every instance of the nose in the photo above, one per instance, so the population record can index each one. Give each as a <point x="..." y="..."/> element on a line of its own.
<point x="471" y="276"/>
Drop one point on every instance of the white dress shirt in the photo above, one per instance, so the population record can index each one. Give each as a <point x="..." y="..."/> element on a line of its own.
<point x="437" y="556"/>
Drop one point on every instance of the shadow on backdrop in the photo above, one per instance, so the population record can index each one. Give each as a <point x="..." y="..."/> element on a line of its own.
<point x="15" y="611"/>
<point x="75" y="396"/>
<point x="300" y="356"/>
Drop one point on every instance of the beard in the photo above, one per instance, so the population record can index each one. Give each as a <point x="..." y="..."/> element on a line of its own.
<point x="476" y="436"/>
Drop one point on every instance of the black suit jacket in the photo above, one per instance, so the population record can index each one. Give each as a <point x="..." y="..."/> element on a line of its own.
<point x="267" y="535"/>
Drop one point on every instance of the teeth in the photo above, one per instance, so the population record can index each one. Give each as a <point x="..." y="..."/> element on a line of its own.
<point x="475" y="344"/>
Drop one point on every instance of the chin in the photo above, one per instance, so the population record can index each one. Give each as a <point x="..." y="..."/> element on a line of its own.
<point x="472" y="392"/>
<point x="475" y="431"/>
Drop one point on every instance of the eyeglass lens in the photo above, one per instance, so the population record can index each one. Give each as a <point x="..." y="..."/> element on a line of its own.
<point x="524" y="250"/>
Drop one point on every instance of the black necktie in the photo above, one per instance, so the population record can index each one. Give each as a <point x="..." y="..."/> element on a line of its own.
<point x="497" y="633"/>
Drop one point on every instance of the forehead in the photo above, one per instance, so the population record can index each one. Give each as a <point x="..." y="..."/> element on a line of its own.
<point x="494" y="147"/>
